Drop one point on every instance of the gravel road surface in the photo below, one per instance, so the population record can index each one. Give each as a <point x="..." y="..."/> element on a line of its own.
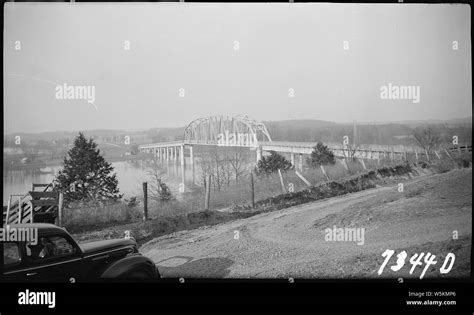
<point x="432" y="214"/>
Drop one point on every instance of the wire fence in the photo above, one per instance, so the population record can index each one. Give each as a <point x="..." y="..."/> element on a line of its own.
<point x="267" y="186"/>
<point x="250" y="188"/>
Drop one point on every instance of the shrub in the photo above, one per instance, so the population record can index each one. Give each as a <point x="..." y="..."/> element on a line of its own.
<point x="272" y="163"/>
<point x="321" y="155"/>
<point x="132" y="201"/>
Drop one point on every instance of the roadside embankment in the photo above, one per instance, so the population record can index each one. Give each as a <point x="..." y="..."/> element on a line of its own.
<point x="144" y="231"/>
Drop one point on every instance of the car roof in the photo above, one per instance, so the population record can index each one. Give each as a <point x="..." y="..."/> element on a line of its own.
<point x="42" y="227"/>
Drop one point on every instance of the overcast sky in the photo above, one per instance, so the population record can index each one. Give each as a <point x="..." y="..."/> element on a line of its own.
<point x="188" y="46"/>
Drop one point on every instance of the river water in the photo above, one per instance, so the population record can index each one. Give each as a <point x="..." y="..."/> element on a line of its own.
<point x="130" y="177"/>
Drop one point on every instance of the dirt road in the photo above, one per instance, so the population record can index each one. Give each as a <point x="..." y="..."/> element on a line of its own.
<point x="432" y="214"/>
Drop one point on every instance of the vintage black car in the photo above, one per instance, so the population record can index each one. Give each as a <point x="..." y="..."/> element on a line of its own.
<point x="55" y="257"/>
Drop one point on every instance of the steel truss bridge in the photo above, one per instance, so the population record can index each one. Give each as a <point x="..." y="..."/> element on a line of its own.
<point x="242" y="131"/>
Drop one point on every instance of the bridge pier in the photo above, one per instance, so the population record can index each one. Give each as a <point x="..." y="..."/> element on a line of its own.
<point x="293" y="159"/>
<point x="183" y="168"/>
<point x="300" y="166"/>
<point x="191" y="160"/>
<point x="259" y="153"/>
<point x="175" y="168"/>
<point x="181" y="155"/>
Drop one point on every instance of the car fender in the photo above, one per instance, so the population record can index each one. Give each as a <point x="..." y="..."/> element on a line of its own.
<point x="121" y="268"/>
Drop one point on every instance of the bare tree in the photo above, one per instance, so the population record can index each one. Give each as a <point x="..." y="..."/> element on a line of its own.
<point x="427" y="137"/>
<point x="224" y="166"/>
<point x="212" y="164"/>
<point x="219" y="176"/>
<point x="226" y="170"/>
<point x="159" y="189"/>
<point x="239" y="162"/>
<point x="350" y="151"/>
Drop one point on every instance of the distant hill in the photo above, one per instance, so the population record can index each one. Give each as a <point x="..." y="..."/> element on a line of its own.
<point x="414" y="123"/>
<point x="389" y="133"/>
<point x="394" y="132"/>
<point x="304" y="123"/>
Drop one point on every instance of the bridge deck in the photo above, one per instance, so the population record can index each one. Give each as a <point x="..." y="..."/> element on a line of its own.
<point x="289" y="146"/>
<point x="369" y="151"/>
<point x="162" y="144"/>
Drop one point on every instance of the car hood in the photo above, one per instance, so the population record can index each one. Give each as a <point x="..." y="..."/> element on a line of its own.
<point x="106" y="245"/>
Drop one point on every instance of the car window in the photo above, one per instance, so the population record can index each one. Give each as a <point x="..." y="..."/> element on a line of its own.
<point x="50" y="247"/>
<point x="11" y="254"/>
<point x="62" y="246"/>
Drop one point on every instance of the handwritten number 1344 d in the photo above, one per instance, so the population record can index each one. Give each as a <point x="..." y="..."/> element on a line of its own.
<point x="416" y="260"/>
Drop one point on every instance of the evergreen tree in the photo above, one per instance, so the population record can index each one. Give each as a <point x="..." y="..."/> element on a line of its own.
<point x="272" y="163"/>
<point x="321" y="155"/>
<point x="86" y="174"/>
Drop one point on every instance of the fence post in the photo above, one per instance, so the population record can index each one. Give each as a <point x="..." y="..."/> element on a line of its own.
<point x="363" y="163"/>
<point x="324" y="172"/>
<point x="281" y="181"/>
<point x="145" y="201"/>
<point x="449" y="155"/>
<point x="344" y="163"/>
<point x="60" y="209"/>
<point x="452" y="159"/>
<point x="304" y="179"/>
<point x="252" y="191"/>
<point x="208" y="192"/>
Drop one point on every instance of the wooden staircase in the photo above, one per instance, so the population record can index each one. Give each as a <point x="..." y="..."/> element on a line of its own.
<point x="34" y="206"/>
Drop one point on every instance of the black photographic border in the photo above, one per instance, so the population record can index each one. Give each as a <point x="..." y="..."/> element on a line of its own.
<point x="352" y="295"/>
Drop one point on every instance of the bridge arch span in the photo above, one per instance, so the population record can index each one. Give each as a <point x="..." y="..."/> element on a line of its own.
<point x="220" y="129"/>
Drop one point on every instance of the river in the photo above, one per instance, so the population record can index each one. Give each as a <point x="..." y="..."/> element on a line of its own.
<point x="130" y="177"/>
